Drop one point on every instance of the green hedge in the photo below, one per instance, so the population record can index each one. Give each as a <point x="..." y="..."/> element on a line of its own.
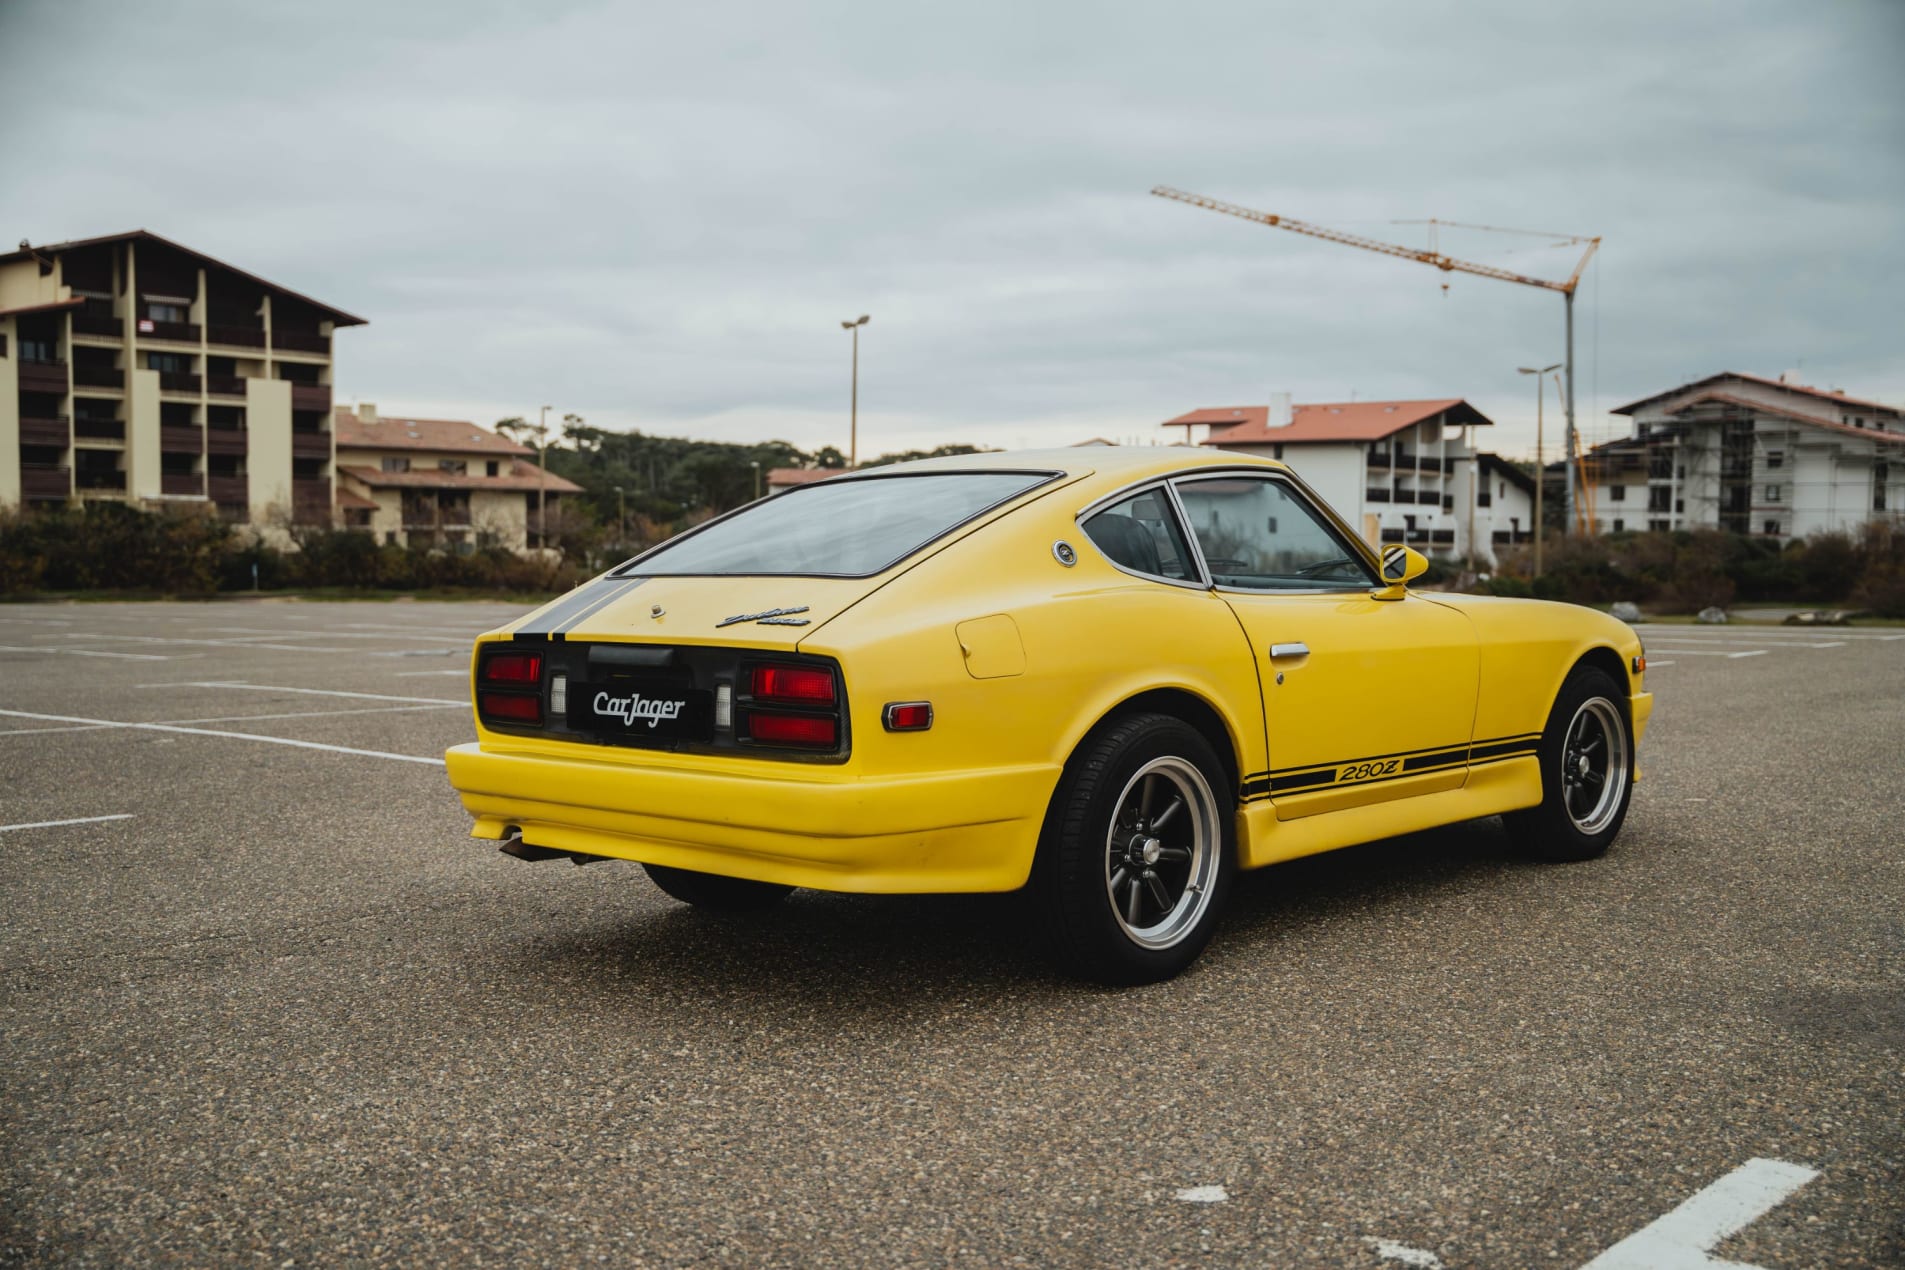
<point x="112" y="547"/>
<point x="1688" y="570"/>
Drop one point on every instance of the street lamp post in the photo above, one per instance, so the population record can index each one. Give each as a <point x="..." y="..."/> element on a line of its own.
<point x="542" y="480"/>
<point x="1541" y="471"/>
<point x="621" y="517"/>
<point x="853" y="434"/>
<point x="756" y="465"/>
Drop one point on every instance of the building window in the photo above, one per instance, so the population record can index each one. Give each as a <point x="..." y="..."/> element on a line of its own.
<point x="454" y="467"/>
<point x="492" y="467"/>
<point x="1619" y="524"/>
<point x="37" y="351"/>
<point x="1772" y="493"/>
<point x="1276" y="451"/>
<point x="1880" y="474"/>
<point x="159" y="311"/>
<point x="1772" y="529"/>
<point x="1657" y="526"/>
<point x="169" y="363"/>
<point x="1617" y="493"/>
<point x="396" y="463"/>
<point x="1776" y="458"/>
<point x="1659" y="498"/>
<point x="1483" y="500"/>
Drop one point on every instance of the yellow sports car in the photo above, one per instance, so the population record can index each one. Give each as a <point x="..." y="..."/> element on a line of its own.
<point x="1114" y="675"/>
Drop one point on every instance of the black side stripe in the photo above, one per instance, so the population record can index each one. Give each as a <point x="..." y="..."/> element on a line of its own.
<point x="563" y="614"/>
<point x="1412" y="763"/>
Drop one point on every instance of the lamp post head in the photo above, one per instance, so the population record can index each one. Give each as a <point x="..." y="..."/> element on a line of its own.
<point x="862" y="320"/>
<point x="1538" y="370"/>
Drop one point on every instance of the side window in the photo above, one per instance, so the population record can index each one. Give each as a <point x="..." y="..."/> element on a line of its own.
<point x="1262" y="535"/>
<point x="1141" y="534"/>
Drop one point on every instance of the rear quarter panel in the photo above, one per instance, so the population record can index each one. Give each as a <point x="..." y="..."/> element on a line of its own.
<point x="1528" y="647"/>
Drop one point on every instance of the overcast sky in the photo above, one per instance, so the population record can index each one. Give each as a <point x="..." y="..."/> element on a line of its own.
<point x="656" y="215"/>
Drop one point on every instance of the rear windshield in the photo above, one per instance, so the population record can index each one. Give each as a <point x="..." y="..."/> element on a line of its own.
<point x="850" y="528"/>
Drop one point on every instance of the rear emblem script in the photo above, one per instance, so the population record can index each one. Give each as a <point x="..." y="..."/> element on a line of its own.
<point x="629" y="709"/>
<point x="767" y="617"/>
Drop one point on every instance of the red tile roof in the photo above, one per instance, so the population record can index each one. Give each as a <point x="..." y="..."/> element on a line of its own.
<point x="1837" y="398"/>
<point x="1325" y="421"/>
<point x="786" y="477"/>
<point x="1799" y="416"/>
<point x="355" y="501"/>
<point x="519" y="476"/>
<point x="448" y="436"/>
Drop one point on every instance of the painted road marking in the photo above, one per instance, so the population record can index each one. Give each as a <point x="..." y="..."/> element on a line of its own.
<point x="1203" y="1195"/>
<point x="1390" y="1250"/>
<point x="54" y="824"/>
<point x="82" y="652"/>
<point x="311" y="692"/>
<point x="237" y="736"/>
<point x="1682" y="1239"/>
<point x="418" y="674"/>
<point x="246" y="718"/>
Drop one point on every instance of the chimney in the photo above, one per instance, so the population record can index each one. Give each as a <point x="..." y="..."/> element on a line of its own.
<point x="1281" y="411"/>
<point x="1791" y="377"/>
<point x="366" y="412"/>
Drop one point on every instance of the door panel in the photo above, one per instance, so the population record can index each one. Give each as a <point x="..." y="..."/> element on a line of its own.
<point x="1365" y="700"/>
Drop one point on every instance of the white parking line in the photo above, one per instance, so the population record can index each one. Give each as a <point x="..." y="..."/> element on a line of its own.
<point x="54" y="824"/>
<point x="1390" y="1250"/>
<point x="236" y="736"/>
<point x="246" y="718"/>
<point x="82" y="652"/>
<point x="310" y="692"/>
<point x="1681" y="1239"/>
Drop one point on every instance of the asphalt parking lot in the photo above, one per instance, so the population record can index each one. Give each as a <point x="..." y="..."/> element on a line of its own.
<point x="265" y="1001"/>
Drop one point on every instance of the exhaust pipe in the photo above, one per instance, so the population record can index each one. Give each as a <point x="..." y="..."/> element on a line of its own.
<point x="514" y="845"/>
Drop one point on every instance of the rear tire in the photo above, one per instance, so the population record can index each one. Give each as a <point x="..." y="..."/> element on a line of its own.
<point x="712" y="891"/>
<point x="1138" y="852"/>
<point x="1587" y="772"/>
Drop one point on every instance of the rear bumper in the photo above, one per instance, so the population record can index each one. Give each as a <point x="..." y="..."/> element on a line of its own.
<point x="966" y="831"/>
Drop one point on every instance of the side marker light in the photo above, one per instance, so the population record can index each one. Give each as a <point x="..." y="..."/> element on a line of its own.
<point x="907" y="716"/>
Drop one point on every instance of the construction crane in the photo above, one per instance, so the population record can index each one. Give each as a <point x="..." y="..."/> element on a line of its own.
<point x="1447" y="264"/>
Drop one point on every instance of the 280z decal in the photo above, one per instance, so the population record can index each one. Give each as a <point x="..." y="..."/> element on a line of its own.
<point x="1318" y="777"/>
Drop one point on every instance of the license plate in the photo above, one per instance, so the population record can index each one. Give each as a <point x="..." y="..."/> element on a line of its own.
<point x="642" y="710"/>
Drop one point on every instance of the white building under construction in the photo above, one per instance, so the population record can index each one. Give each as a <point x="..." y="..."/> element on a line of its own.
<point x="1769" y="457"/>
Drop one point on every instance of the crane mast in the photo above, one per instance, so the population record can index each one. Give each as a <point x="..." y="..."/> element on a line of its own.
<point x="1436" y="259"/>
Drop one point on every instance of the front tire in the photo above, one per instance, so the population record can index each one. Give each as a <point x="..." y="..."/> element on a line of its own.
<point x="1587" y="772"/>
<point x="1138" y="852"/>
<point x="712" y="891"/>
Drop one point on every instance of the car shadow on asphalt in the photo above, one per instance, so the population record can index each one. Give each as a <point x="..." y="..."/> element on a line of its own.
<point x="820" y="951"/>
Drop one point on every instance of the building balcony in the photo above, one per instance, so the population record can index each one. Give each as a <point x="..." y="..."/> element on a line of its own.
<point x="301" y="342"/>
<point x="310" y="445"/>
<point x="41" y="482"/>
<point x="109" y="479"/>
<point x="310" y="396"/>
<point x="179" y="439"/>
<point x="100" y="321"/>
<point x="311" y="501"/>
<point x="236" y="336"/>
<point x="182" y="484"/>
<point x="53" y="431"/>
<point x="180" y="382"/>
<point x="99" y="377"/>
<point x="100" y="429"/>
<point x="228" y="491"/>
<point x="1376" y="495"/>
<point x="1442" y="537"/>
<point x="224" y="441"/>
<point x="169" y="332"/>
<point x="43" y="377"/>
<point x="225" y="385"/>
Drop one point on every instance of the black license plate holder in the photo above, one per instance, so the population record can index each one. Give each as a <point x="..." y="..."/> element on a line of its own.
<point x="641" y="710"/>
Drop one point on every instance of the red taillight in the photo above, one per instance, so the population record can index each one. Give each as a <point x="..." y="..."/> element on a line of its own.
<point x="802" y="685"/>
<point x="513" y="668"/>
<point x="509" y="706"/>
<point x="793" y="729"/>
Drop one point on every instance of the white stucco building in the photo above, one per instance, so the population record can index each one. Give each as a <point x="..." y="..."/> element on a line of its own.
<point x="1768" y="457"/>
<point x="1400" y="471"/>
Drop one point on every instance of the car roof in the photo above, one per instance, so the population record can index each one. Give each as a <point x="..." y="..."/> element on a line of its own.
<point x="1113" y="465"/>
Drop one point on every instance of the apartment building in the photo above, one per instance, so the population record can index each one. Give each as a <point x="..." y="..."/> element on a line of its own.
<point x="1401" y="471"/>
<point x="1770" y="457"/>
<point x="441" y="483"/>
<point x="138" y="370"/>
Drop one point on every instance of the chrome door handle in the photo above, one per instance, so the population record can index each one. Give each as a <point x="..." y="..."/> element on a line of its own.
<point x="1288" y="650"/>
